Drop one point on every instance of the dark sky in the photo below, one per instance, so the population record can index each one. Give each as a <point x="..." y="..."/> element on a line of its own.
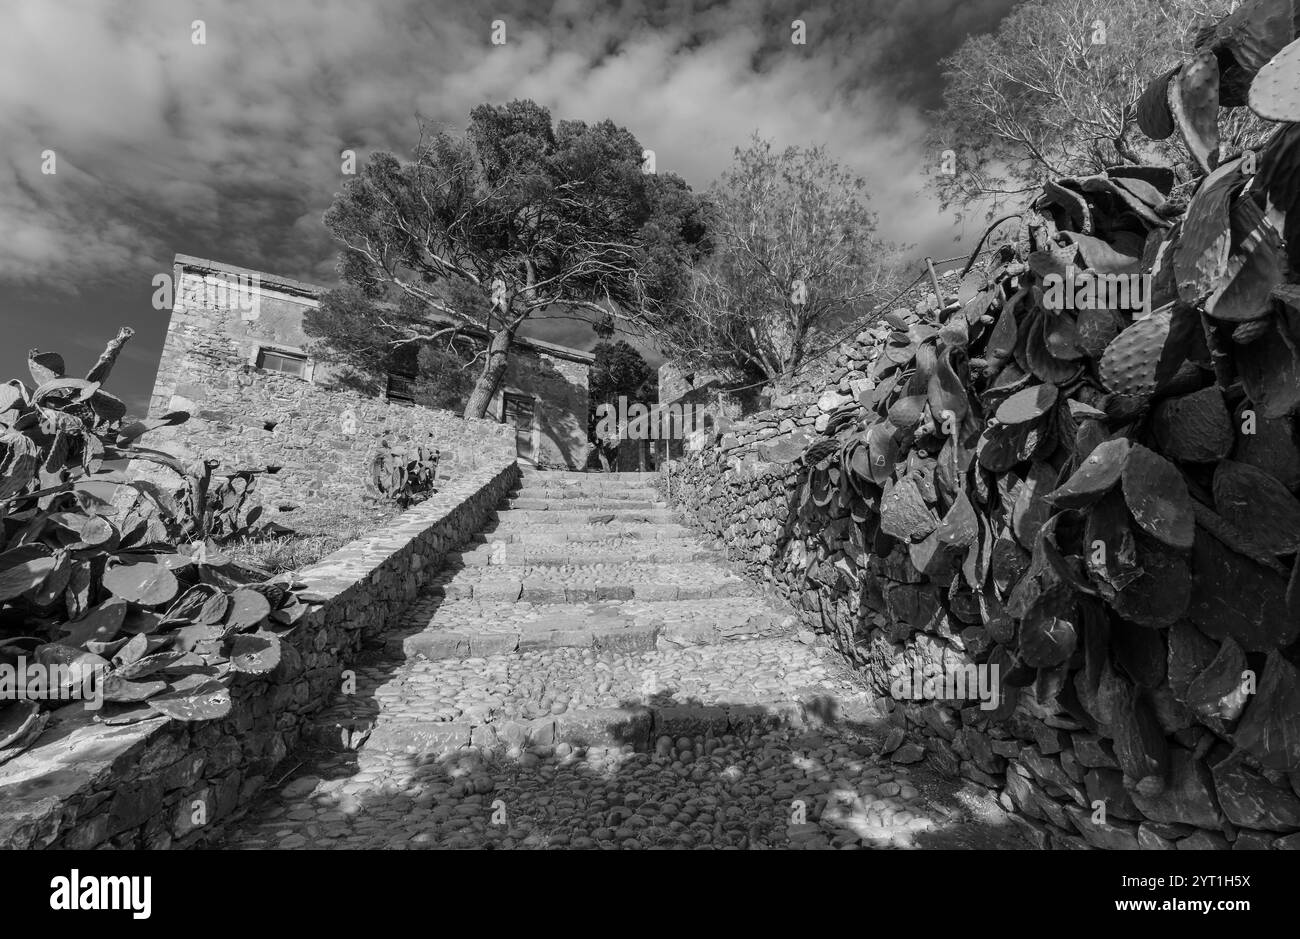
<point x="230" y="150"/>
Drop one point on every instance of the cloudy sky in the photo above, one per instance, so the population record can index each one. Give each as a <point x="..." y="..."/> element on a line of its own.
<point x="230" y="149"/>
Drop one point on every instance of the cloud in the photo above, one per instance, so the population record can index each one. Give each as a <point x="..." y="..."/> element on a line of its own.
<point x="231" y="149"/>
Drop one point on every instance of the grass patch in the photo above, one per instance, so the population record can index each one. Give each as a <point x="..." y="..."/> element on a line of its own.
<point x="317" y="532"/>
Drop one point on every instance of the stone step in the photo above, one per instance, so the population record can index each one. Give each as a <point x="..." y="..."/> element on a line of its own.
<point x="458" y="629"/>
<point x="593" y="517"/>
<point x="583" y="583"/>
<point x="608" y="551"/>
<point x="512" y="531"/>
<point x="567" y="475"/>
<point x="615" y="494"/>
<point x="591" y="697"/>
<point x="638" y="727"/>
<point x="581" y="481"/>
<point x="594" y="506"/>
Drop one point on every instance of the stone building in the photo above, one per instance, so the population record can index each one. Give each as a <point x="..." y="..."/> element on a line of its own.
<point x="235" y="357"/>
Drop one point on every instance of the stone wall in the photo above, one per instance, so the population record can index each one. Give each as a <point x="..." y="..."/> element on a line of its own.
<point x="321" y="431"/>
<point x="889" y="619"/>
<point x="162" y="783"/>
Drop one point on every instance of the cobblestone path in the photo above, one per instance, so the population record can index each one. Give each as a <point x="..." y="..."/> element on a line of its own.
<point x="590" y="676"/>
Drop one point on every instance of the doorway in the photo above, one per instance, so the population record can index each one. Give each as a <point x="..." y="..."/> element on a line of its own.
<point x="518" y="410"/>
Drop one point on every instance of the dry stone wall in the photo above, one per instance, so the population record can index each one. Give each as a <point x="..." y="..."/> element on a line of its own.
<point x="890" y="620"/>
<point x="162" y="783"/>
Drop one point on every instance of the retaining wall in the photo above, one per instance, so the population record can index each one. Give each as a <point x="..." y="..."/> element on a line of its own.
<point x="162" y="783"/>
<point x="890" y="620"/>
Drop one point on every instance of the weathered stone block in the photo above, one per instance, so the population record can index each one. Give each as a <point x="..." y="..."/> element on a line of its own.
<point x="1253" y="841"/>
<point x="437" y="645"/>
<point x="1110" y="835"/>
<point x="1251" y="801"/>
<point x="1094" y="751"/>
<point x="1189" y="795"/>
<point x="605" y="726"/>
<point x="422" y="737"/>
<point x="1204" y="841"/>
<point x="133" y="805"/>
<point x="484" y="644"/>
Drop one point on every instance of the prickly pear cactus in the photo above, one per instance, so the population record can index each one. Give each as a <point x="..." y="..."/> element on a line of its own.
<point x="1104" y="500"/>
<point x="404" y="476"/>
<point x="1128" y="366"/>
<point x="1275" y="92"/>
<point x="138" y="590"/>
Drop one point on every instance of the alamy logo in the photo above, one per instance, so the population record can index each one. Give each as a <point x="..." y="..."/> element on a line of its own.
<point x="636" y="421"/>
<point x="936" y="683"/>
<point x="54" y="681"/>
<point x="75" y="892"/>
<point x="1092" y="290"/>
<point x="221" y="290"/>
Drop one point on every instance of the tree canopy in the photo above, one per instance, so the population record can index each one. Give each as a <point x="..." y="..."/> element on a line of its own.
<point x="795" y="251"/>
<point x="1053" y="91"/>
<point x="518" y="217"/>
<point x="617" y="370"/>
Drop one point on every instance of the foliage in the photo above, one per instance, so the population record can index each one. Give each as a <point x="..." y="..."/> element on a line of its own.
<point x="617" y="371"/>
<point x="1053" y="92"/>
<point x="796" y="251"/>
<point x="218" y="509"/>
<point x="404" y="475"/>
<point x="518" y="217"/>
<point x="305" y="534"/>
<point x="117" y="587"/>
<point x="442" y="377"/>
<point x="1063" y="470"/>
<point x="440" y="371"/>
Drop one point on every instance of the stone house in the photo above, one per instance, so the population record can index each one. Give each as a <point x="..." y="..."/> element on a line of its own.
<point x="235" y="357"/>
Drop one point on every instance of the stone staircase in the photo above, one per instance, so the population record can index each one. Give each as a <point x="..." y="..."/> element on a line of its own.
<point x="582" y="587"/>
<point x="587" y="674"/>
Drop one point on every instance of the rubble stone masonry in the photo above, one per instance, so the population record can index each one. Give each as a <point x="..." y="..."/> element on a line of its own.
<point x="883" y="616"/>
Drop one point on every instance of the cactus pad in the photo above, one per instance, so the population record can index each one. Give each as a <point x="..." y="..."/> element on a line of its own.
<point x="203" y="700"/>
<point x="1156" y="495"/>
<point x="1194" y="103"/>
<point x="1159" y="595"/>
<point x="1275" y="92"/>
<point x="1271" y="445"/>
<point x="1027" y="405"/>
<point x="1270" y="729"/>
<point x="1259" y="505"/>
<point x="1098" y="473"/>
<point x="1193" y="428"/>
<point x="1232" y="596"/>
<point x="1270" y="369"/>
<point x="1153" y="115"/>
<point x="1129" y="365"/>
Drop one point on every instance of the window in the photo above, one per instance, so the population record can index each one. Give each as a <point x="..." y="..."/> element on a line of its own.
<point x="401" y="389"/>
<point x="286" y="363"/>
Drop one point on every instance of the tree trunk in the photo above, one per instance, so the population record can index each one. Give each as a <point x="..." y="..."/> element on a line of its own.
<point x="1125" y="149"/>
<point x="494" y="369"/>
